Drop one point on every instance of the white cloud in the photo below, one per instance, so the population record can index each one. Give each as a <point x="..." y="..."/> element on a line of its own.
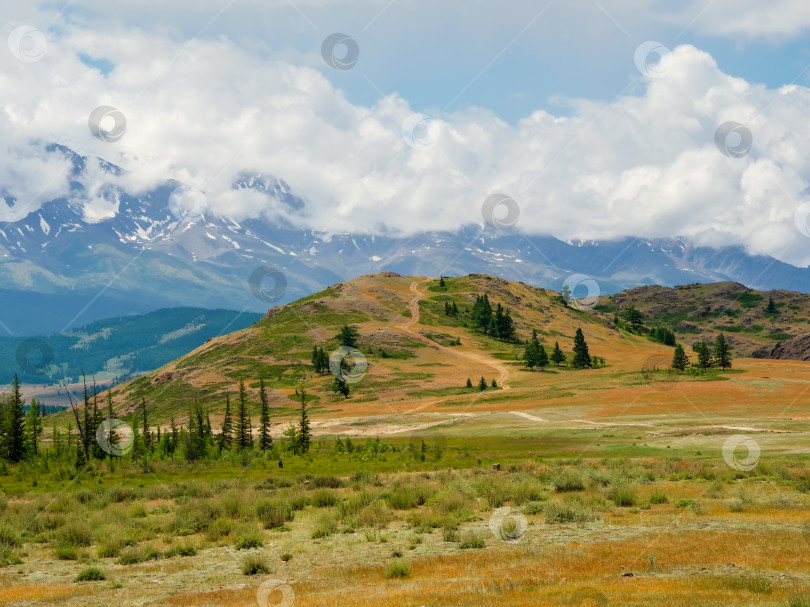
<point x="204" y="111"/>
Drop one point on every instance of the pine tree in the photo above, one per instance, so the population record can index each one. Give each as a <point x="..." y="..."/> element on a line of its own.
<point x="316" y="359"/>
<point x="304" y="434"/>
<point x="341" y="387"/>
<point x="542" y="357"/>
<point x="97" y="451"/>
<point x="494" y="383"/>
<point x="634" y="317"/>
<point x="455" y="309"/>
<point x="441" y="282"/>
<point x="291" y="434"/>
<point x="88" y="433"/>
<point x="265" y="440"/>
<point x="482" y="384"/>
<point x="137" y="443"/>
<point x="482" y="312"/>
<point x="704" y="355"/>
<point x="448" y="311"/>
<point x="15" y="424"/>
<point x="244" y="431"/>
<point x="771" y="309"/>
<point x="112" y="435"/>
<point x="557" y="356"/>
<point x="348" y="336"/>
<point x="226" y="433"/>
<point x="34" y="427"/>
<point x="148" y="445"/>
<point x="679" y="359"/>
<point x="582" y="358"/>
<point x="531" y="351"/>
<point x="722" y="352"/>
<point x="469" y="383"/>
<point x="174" y="437"/>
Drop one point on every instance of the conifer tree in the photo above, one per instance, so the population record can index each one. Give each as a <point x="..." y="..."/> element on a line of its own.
<point x="137" y="442"/>
<point x="469" y="383"/>
<point x="15" y="424"/>
<point x="771" y="309"/>
<point x="341" y="387"/>
<point x="557" y="355"/>
<point x="148" y="444"/>
<point x="679" y="359"/>
<point x="348" y="336"/>
<point x="542" y="357"/>
<point x="112" y="435"/>
<point x="226" y="433"/>
<point x="244" y="431"/>
<point x="722" y="352"/>
<point x="304" y="434"/>
<point x="34" y="427"/>
<point x="704" y="355"/>
<point x="482" y="384"/>
<point x="582" y="358"/>
<point x="531" y="351"/>
<point x="265" y="440"/>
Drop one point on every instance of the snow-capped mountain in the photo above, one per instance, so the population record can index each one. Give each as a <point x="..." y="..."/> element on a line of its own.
<point x="59" y="266"/>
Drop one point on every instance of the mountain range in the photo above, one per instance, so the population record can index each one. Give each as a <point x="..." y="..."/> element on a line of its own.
<point x="60" y="267"/>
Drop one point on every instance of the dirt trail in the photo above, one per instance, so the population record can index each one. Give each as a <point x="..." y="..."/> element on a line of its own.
<point x="407" y="326"/>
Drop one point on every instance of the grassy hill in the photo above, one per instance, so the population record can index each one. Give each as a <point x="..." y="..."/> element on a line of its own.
<point x="698" y="312"/>
<point x="417" y="375"/>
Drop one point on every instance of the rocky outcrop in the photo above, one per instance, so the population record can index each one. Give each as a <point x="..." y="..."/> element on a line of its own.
<point x="796" y="348"/>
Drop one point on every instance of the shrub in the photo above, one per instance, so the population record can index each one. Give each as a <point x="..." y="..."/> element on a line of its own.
<point x="569" y="480"/>
<point x="570" y="511"/>
<point x="274" y="513"/>
<point x="325" y="525"/>
<point x="403" y="496"/>
<point x="323" y="498"/>
<point x="449" y="534"/>
<point x="286" y="557"/>
<point x="218" y="529"/>
<point x="110" y="546"/>
<point x="74" y="533"/>
<point x="659" y="498"/>
<point x="91" y="574"/>
<point x="247" y="537"/>
<point x="9" y="538"/>
<point x="471" y="540"/>
<point x="798" y="600"/>
<point x="135" y="556"/>
<point x="375" y="515"/>
<point x="255" y="564"/>
<point x="683" y="503"/>
<point x="398" y="569"/>
<point x="66" y="553"/>
<point x="623" y="495"/>
<point x="181" y="550"/>
<point x="331" y="482"/>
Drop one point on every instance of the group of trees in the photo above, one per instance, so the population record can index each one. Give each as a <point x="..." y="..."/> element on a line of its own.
<point x="482" y="383"/>
<point x="496" y="323"/>
<point x="707" y="357"/>
<point x="82" y="441"/>
<point x="534" y="354"/>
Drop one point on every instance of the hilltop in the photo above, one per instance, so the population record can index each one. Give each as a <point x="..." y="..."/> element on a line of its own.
<point x="698" y="312"/>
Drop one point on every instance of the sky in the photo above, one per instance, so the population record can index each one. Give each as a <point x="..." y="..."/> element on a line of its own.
<point x="600" y="120"/>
